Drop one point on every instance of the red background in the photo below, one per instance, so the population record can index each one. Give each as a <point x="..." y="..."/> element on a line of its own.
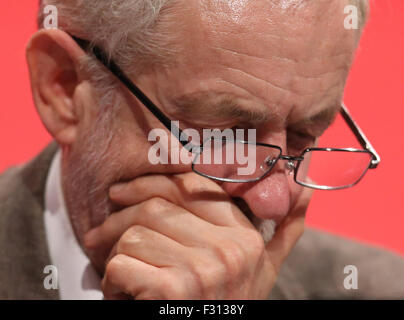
<point x="371" y="212"/>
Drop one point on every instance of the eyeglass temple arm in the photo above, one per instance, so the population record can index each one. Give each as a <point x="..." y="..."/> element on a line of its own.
<point x="360" y="136"/>
<point x="117" y="71"/>
<point x="177" y="132"/>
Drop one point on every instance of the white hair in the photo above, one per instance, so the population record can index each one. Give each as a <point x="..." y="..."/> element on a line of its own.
<point x="123" y="28"/>
<point x="363" y="8"/>
<point x="132" y="32"/>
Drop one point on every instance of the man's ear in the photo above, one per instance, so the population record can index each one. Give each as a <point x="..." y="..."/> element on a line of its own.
<point x="53" y="61"/>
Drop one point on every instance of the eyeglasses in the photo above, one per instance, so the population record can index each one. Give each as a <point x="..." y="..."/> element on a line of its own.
<point x="317" y="168"/>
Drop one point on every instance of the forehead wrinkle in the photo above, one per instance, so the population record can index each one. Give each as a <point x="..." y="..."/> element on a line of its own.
<point x="202" y="104"/>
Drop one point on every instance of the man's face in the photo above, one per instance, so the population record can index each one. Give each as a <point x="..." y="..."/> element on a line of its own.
<point x="267" y="65"/>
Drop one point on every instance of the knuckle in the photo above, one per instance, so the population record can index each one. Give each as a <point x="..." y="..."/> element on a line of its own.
<point x="135" y="230"/>
<point x="114" y="268"/>
<point x="155" y="204"/>
<point x="195" y="183"/>
<point x="207" y="276"/>
<point x="114" y="281"/>
<point x="131" y="238"/>
<point x="233" y="258"/>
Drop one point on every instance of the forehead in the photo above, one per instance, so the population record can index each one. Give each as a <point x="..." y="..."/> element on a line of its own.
<point x="290" y="54"/>
<point x="271" y="21"/>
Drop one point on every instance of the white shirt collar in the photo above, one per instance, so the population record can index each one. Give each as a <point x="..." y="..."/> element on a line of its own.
<point x="77" y="278"/>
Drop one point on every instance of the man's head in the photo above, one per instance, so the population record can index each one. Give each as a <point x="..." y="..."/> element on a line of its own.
<point x="278" y="66"/>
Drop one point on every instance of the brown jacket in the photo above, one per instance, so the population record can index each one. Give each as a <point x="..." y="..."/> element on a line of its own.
<point x="314" y="269"/>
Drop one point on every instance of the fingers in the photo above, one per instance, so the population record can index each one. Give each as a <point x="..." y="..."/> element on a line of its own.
<point x="289" y="231"/>
<point x="196" y="194"/>
<point x="131" y="276"/>
<point x="126" y="275"/>
<point x="171" y="271"/>
<point x="158" y="215"/>
<point x="151" y="247"/>
<point x="181" y="236"/>
<point x="177" y="272"/>
<point x="144" y="188"/>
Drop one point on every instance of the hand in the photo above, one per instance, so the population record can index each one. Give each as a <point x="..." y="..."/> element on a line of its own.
<point x="181" y="237"/>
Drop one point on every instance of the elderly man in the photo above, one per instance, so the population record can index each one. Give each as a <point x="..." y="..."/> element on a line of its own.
<point x="115" y="224"/>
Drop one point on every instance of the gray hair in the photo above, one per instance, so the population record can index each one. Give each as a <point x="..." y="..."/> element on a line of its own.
<point x="123" y="28"/>
<point x="363" y="8"/>
<point x="128" y="31"/>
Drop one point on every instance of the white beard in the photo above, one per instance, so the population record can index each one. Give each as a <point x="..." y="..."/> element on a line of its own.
<point x="265" y="227"/>
<point x="86" y="191"/>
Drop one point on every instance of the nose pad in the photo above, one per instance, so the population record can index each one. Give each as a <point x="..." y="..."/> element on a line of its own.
<point x="290" y="166"/>
<point x="267" y="164"/>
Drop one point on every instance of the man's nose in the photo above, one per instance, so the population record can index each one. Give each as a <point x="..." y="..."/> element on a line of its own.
<point x="269" y="198"/>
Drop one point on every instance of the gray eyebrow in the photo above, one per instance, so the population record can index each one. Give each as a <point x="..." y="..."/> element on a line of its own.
<point x="216" y="105"/>
<point x="202" y="104"/>
<point x="316" y="124"/>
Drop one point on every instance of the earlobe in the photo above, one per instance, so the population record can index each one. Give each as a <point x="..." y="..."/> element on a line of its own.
<point x="53" y="61"/>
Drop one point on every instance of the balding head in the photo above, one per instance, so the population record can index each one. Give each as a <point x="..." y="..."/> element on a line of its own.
<point x="139" y="28"/>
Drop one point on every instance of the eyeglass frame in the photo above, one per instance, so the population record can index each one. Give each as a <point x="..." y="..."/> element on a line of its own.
<point x="110" y="64"/>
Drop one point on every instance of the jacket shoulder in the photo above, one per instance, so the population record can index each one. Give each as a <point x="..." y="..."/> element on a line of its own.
<point x="23" y="247"/>
<point x="320" y="263"/>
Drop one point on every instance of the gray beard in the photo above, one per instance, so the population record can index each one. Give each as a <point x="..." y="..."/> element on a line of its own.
<point x="90" y="172"/>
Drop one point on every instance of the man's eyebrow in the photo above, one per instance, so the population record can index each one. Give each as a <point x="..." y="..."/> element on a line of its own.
<point x="210" y="105"/>
<point x="221" y="106"/>
<point x="319" y="122"/>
